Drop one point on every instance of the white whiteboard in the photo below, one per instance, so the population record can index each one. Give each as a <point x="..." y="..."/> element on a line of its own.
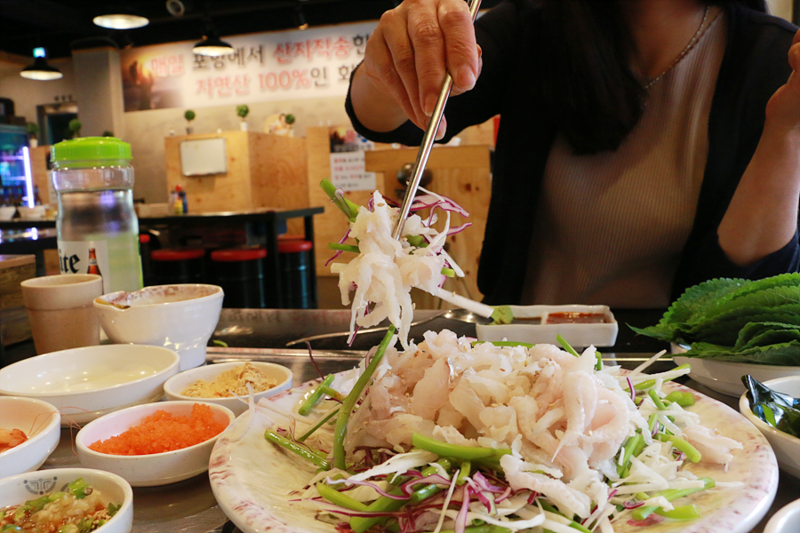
<point x="204" y="157"/>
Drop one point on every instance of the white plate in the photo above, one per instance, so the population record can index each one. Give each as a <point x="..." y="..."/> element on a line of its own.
<point x="180" y="382"/>
<point x="576" y="334"/>
<point x="40" y="421"/>
<point x="725" y="377"/>
<point x="154" y="469"/>
<point x="18" y="489"/>
<point x="86" y="383"/>
<point x="252" y="479"/>
<point x="787" y="520"/>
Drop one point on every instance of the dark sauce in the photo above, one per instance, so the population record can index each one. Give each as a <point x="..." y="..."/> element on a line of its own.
<point x="568" y="317"/>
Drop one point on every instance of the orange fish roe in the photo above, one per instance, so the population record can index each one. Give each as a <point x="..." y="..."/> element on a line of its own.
<point x="163" y="432"/>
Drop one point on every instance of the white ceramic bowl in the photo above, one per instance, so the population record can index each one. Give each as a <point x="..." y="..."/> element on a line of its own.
<point x="40" y="421"/>
<point x="36" y="212"/>
<point x="85" y="383"/>
<point x="179" y="317"/>
<point x="725" y="377"/>
<point x="180" y="382"/>
<point x="787" y="520"/>
<point x="576" y="334"/>
<point x="786" y="447"/>
<point x="154" y="469"/>
<point x="18" y="489"/>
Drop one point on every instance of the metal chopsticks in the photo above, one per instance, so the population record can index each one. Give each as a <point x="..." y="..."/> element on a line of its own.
<point x="427" y="141"/>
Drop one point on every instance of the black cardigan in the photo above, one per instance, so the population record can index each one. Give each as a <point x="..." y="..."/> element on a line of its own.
<point x="755" y="64"/>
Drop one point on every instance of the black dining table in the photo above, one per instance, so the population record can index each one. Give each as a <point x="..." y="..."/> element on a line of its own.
<point x="262" y="335"/>
<point x="262" y="227"/>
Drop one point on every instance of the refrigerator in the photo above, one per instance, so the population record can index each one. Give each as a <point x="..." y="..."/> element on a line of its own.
<point x="15" y="165"/>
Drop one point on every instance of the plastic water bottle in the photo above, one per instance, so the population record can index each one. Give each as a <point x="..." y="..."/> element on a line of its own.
<point x="97" y="225"/>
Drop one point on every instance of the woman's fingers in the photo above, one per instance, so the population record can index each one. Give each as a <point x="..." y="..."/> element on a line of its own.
<point x="379" y="67"/>
<point x="427" y="41"/>
<point x="461" y="50"/>
<point x="403" y="56"/>
<point x="456" y="90"/>
<point x="413" y="47"/>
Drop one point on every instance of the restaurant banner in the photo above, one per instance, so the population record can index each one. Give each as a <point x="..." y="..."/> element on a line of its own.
<point x="294" y="64"/>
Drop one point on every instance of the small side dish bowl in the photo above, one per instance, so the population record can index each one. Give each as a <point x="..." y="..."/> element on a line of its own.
<point x="16" y="490"/>
<point x="7" y="212"/>
<point x="153" y="469"/>
<point x="180" y="317"/>
<point x="36" y="212"/>
<point x="85" y="383"/>
<point x="579" y="325"/>
<point x="786" y="447"/>
<point x="787" y="520"/>
<point x="725" y="377"/>
<point x="41" y="423"/>
<point x="175" y="385"/>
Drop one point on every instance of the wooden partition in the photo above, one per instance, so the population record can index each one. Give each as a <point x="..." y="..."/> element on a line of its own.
<point x="332" y="224"/>
<point x="263" y="170"/>
<point x="462" y="173"/>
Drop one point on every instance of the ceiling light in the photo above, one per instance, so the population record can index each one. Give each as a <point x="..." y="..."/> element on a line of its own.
<point x="40" y="70"/>
<point x="120" y="21"/>
<point x="211" y="45"/>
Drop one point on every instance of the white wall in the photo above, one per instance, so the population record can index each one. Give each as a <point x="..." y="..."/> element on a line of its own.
<point x="145" y="130"/>
<point x="98" y="82"/>
<point x="781" y="8"/>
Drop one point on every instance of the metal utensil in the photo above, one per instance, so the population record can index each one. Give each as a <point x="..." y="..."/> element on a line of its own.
<point x="427" y="141"/>
<point x="461" y="315"/>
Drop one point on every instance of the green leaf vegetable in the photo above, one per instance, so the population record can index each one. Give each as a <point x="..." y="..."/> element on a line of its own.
<point x="736" y="320"/>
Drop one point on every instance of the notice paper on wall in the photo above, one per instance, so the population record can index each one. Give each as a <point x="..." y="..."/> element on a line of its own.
<point x="348" y="171"/>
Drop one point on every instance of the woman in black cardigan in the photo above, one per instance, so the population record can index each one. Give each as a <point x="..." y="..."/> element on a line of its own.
<point x="627" y="94"/>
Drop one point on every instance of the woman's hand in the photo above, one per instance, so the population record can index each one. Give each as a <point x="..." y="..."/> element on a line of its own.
<point x="406" y="59"/>
<point x="783" y="109"/>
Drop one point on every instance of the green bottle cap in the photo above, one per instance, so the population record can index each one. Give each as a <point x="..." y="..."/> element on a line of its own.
<point x="90" y="149"/>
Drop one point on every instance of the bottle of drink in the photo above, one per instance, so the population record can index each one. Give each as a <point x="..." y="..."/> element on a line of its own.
<point x="93" y="178"/>
<point x="177" y="201"/>
<point x="93" y="268"/>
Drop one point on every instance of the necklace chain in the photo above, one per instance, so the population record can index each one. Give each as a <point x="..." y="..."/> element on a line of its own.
<point x="685" y="51"/>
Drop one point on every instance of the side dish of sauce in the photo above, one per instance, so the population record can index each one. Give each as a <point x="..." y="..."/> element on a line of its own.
<point x="527" y="320"/>
<point x="575" y="318"/>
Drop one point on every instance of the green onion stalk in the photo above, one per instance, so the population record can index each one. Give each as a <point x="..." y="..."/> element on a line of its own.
<point x="351" y="399"/>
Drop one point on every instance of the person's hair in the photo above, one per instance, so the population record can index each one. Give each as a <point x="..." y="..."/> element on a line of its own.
<point x="595" y="97"/>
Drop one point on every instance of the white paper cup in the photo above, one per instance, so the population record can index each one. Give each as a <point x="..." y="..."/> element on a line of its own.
<point x="61" y="312"/>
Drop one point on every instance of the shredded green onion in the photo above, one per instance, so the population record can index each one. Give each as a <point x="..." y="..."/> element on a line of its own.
<point x="315" y="397"/>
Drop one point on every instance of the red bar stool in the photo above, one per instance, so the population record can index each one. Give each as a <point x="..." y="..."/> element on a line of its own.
<point x="177" y="265"/>
<point x="240" y="273"/>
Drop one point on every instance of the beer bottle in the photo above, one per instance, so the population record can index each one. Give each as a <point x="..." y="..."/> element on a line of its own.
<point x="93" y="268"/>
